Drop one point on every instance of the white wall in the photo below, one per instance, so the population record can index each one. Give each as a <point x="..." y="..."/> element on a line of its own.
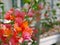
<point x="7" y="4"/>
<point x="19" y="3"/>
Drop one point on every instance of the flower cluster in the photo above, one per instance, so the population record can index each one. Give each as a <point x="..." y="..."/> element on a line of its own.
<point x="17" y="31"/>
<point x="26" y="25"/>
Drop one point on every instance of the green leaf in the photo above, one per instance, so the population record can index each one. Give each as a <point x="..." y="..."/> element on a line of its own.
<point x="34" y="43"/>
<point x="0" y="41"/>
<point x="37" y="0"/>
<point x="26" y="1"/>
<point x="25" y="43"/>
<point x="54" y="11"/>
<point x="58" y="4"/>
<point x="35" y="7"/>
<point x="27" y="18"/>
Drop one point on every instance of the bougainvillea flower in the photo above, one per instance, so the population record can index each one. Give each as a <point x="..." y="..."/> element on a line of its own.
<point x="24" y="24"/>
<point x="7" y="16"/>
<point x="3" y="27"/>
<point x="8" y="26"/>
<point x="1" y="33"/>
<point x="3" y="39"/>
<point x="30" y="13"/>
<point x="4" y="44"/>
<point x="34" y="37"/>
<point x="29" y="30"/>
<point x="22" y="14"/>
<point x="26" y="36"/>
<point x="27" y="33"/>
<point x="10" y="11"/>
<point x="19" y="14"/>
<point x="13" y="41"/>
<point x="18" y="20"/>
<point x="21" y="40"/>
<point x="16" y="32"/>
<point x="12" y="17"/>
<point x="35" y="31"/>
<point x="17" y="28"/>
<point x="7" y="32"/>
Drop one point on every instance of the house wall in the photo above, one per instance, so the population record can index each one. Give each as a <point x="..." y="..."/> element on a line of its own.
<point x="7" y="4"/>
